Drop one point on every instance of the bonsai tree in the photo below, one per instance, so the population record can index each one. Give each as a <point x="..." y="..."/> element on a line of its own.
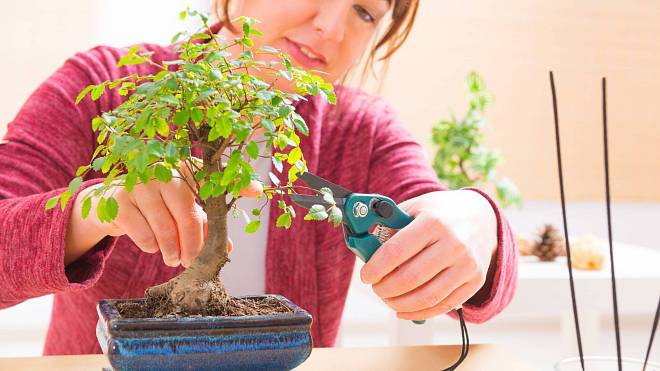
<point x="215" y="104"/>
<point x="461" y="160"/>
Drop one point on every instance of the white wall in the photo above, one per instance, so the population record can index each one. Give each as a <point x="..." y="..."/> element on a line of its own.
<point x="39" y="35"/>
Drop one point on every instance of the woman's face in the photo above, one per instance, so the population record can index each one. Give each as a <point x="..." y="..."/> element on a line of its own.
<point x="324" y="35"/>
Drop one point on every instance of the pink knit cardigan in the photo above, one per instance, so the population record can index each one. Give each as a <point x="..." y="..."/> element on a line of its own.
<point x="364" y="148"/>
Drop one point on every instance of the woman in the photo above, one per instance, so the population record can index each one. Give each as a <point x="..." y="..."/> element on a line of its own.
<point x="457" y="251"/>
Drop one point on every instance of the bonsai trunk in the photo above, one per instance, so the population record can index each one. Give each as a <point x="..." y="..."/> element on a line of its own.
<point x="198" y="289"/>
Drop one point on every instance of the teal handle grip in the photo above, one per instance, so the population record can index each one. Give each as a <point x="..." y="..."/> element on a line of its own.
<point x="365" y="244"/>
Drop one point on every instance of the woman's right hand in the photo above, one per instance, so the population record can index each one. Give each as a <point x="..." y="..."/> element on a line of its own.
<point x="157" y="216"/>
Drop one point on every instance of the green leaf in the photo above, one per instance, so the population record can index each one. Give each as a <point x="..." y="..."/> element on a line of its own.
<point x="64" y="199"/>
<point x="82" y="169"/>
<point x="273" y="179"/>
<point x="284" y="220"/>
<point x="253" y="226"/>
<point x="162" y="127"/>
<point x="294" y="156"/>
<point x="301" y="126"/>
<point x="277" y="163"/>
<point x="98" y="91"/>
<point x="269" y="49"/>
<point x="327" y="195"/>
<point x="200" y="175"/>
<point x="129" y="183"/>
<point x="256" y="212"/>
<point x="75" y="184"/>
<point x="335" y="216"/>
<point x="222" y="128"/>
<point x="96" y="122"/>
<point x="100" y="210"/>
<point x="252" y="149"/>
<point x="169" y="98"/>
<point x="268" y="124"/>
<point x="206" y="190"/>
<point x="86" y="207"/>
<point x="162" y="173"/>
<point x="197" y="115"/>
<point x="52" y="202"/>
<point x="98" y="163"/>
<point x="111" y="208"/>
<point x="181" y="118"/>
<point x="84" y="93"/>
<point x="316" y="212"/>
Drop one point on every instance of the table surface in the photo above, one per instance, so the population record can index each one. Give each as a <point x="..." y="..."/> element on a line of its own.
<point x="631" y="263"/>
<point x="481" y="357"/>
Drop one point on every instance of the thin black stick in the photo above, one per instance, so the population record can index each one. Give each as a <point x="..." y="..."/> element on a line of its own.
<point x="563" y="211"/>
<point x="609" y="227"/>
<point x="655" y="326"/>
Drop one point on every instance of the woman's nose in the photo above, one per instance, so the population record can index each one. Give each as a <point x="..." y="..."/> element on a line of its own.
<point x="331" y="19"/>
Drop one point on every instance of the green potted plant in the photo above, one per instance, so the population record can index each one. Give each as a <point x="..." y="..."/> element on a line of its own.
<point x="206" y="101"/>
<point x="461" y="159"/>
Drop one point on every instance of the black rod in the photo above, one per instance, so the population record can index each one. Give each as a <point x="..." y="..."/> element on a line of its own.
<point x="608" y="202"/>
<point x="563" y="211"/>
<point x="655" y="326"/>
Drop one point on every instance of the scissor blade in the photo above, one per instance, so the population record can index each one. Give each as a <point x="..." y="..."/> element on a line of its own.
<point x="307" y="201"/>
<point x="316" y="182"/>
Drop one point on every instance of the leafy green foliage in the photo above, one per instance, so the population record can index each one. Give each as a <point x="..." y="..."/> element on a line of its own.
<point x="461" y="160"/>
<point x="319" y="212"/>
<point x="209" y="98"/>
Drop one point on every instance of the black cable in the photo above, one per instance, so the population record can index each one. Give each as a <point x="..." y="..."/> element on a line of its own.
<point x="655" y="327"/>
<point x="563" y="211"/>
<point x="465" y="347"/>
<point x="615" y="301"/>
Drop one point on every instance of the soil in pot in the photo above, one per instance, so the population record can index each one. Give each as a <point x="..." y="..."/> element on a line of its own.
<point x="229" y="307"/>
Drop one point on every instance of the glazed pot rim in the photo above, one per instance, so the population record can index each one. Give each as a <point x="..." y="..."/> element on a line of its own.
<point x="116" y="323"/>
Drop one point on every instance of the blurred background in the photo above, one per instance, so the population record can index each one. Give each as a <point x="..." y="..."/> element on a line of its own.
<point x="512" y="44"/>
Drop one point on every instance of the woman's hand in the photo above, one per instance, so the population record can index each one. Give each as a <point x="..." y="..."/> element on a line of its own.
<point x="438" y="261"/>
<point x="157" y="216"/>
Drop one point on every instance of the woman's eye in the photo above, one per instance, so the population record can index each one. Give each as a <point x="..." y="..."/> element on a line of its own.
<point x="364" y="14"/>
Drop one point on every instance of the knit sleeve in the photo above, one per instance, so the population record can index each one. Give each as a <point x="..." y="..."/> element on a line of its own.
<point x="400" y="169"/>
<point x="47" y="141"/>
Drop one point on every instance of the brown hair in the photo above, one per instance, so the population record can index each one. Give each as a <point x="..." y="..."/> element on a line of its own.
<point x="403" y="13"/>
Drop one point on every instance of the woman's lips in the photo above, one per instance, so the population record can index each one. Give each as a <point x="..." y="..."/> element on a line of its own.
<point x="300" y="54"/>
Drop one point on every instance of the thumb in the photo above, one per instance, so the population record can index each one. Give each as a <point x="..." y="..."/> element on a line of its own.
<point x="411" y="206"/>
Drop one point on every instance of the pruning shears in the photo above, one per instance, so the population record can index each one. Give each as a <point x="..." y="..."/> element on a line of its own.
<point x="368" y="220"/>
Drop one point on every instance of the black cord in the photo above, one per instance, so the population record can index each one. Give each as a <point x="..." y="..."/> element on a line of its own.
<point x="563" y="211"/>
<point x="465" y="347"/>
<point x="609" y="228"/>
<point x="655" y="326"/>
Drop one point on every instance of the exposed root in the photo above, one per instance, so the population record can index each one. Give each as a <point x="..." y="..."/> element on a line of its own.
<point x="209" y="299"/>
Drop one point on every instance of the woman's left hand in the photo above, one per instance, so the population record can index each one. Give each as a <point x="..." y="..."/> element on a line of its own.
<point x="438" y="261"/>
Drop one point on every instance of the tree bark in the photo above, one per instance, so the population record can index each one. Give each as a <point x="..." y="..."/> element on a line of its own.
<point x="199" y="286"/>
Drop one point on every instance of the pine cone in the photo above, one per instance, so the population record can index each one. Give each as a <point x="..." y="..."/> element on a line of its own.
<point x="550" y="244"/>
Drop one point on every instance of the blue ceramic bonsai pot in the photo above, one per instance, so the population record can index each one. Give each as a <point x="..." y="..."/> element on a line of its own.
<point x="272" y="342"/>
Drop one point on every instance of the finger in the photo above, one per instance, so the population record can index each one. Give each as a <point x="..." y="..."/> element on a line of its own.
<point x="254" y="189"/>
<point x="135" y="226"/>
<point x="152" y="206"/>
<point x="418" y="270"/>
<point x="453" y="301"/>
<point x="180" y="202"/>
<point x="430" y="294"/>
<point x="405" y="244"/>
